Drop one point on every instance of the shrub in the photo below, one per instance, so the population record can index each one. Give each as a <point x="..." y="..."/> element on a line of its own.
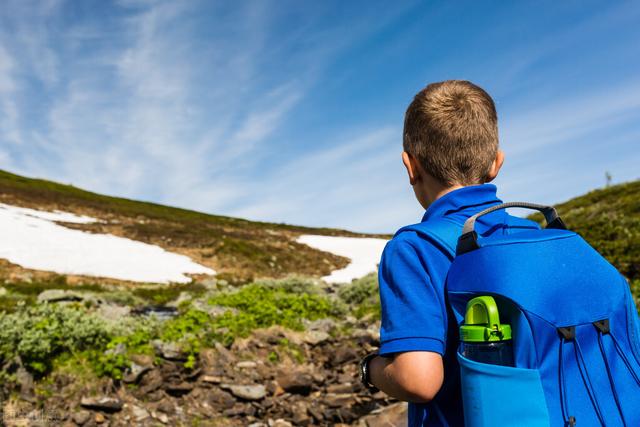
<point x="38" y="334"/>
<point x="362" y="295"/>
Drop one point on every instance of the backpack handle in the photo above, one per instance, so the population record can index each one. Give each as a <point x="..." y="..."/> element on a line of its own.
<point x="468" y="241"/>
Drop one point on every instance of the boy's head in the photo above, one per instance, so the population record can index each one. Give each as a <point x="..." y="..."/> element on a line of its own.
<point x="451" y="134"/>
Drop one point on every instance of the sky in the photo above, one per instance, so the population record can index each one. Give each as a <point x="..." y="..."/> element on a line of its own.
<point x="292" y="111"/>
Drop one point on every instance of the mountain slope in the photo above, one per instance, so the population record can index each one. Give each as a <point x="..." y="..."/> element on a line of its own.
<point x="237" y="249"/>
<point x="609" y="219"/>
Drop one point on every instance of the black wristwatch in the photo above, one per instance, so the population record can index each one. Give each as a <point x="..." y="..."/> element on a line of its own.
<point x="365" y="375"/>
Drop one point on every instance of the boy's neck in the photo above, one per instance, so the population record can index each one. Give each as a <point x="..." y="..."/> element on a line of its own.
<point x="432" y="190"/>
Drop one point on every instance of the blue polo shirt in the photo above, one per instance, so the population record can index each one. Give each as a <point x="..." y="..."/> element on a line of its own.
<point x="415" y="316"/>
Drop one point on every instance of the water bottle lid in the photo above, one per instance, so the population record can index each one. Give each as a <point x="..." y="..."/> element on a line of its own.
<point x="482" y="322"/>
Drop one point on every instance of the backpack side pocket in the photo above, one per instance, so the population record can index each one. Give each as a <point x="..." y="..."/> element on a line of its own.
<point x="486" y="392"/>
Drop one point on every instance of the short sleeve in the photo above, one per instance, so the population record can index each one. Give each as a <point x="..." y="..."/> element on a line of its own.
<point x="413" y="310"/>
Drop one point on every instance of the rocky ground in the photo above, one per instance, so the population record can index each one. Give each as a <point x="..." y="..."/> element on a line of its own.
<point x="274" y="377"/>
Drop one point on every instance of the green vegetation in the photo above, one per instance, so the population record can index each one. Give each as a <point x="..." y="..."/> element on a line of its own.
<point x="34" y="287"/>
<point x="162" y="294"/>
<point x="260" y="305"/>
<point x="609" y="219"/>
<point x="38" y="334"/>
<point x="362" y="295"/>
<point x="47" y="335"/>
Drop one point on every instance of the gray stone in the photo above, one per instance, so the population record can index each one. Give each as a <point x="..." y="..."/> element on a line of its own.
<point x="246" y="392"/>
<point x="139" y="414"/>
<point x="136" y="372"/>
<point x="102" y="403"/>
<point x="25" y="380"/>
<point x="169" y="350"/>
<point x="81" y="417"/>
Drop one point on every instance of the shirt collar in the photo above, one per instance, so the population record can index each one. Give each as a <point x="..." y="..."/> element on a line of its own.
<point x="461" y="199"/>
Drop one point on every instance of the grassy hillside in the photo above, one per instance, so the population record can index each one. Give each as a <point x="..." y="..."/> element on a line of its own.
<point x="609" y="219"/>
<point x="237" y="249"/>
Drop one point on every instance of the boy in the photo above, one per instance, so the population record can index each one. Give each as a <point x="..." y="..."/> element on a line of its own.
<point x="451" y="153"/>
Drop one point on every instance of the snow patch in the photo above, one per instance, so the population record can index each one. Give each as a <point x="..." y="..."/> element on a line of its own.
<point x="364" y="253"/>
<point x="31" y="239"/>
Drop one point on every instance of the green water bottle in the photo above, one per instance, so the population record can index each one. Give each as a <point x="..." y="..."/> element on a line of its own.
<point x="484" y="338"/>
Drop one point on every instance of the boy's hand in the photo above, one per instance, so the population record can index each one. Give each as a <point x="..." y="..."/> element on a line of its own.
<point x="414" y="376"/>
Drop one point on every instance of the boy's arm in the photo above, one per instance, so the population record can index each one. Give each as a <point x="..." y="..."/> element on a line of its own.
<point x="414" y="376"/>
<point x="414" y="323"/>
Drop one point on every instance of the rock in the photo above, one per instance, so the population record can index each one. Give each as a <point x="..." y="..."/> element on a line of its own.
<point x="296" y="381"/>
<point x="178" y="389"/>
<point x="119" y="350"/>
<point x="280" y="423"/>
<point x="224" y="354"/>
<point x="166" y="407"/>
<point x="336" y="400"/>
<point x="182" y="298"/>
<point x="104" y="403"/>
<point x="149" y="383"/>
<point x="211" y="379"/>
<point x="81" y="417"/>
<point x="58" y="295"/>
<point x="344" y="354"/>
<point x="246" y="392"/>
<point x="139" y="414"/>
<point x="322" y="325"/>
<point x="169" y="350"/>
<point x="300" y="415"/>
<point x="113" y="311"/>
<point x="246" y="364"/>
<point x="219" y="400"/>
<point x="340" y="388"/>
<point x="316" y="337"/>
<point x="163" y="418"/>
<point x="240" y="409"/>
<point x="394" y="415"/>
<point x="3" y="291"/>
<point x="25" y="380"/>
<point x="136" y="371"/>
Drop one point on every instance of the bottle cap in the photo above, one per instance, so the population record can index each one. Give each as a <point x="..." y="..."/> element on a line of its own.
<point x="482" y="322"/>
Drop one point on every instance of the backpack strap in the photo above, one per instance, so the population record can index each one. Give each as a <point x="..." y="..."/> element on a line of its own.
<point x="441" y="232"/>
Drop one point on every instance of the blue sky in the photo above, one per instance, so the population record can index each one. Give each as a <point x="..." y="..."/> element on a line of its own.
<point x="291" y="111"/>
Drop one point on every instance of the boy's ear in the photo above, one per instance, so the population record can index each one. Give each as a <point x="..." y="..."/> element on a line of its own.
<point x="495" y="166"/>
<point x="411" y="165"/>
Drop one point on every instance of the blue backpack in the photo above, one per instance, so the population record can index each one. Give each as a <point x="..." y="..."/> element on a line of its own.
<point x="574" y="324"/>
